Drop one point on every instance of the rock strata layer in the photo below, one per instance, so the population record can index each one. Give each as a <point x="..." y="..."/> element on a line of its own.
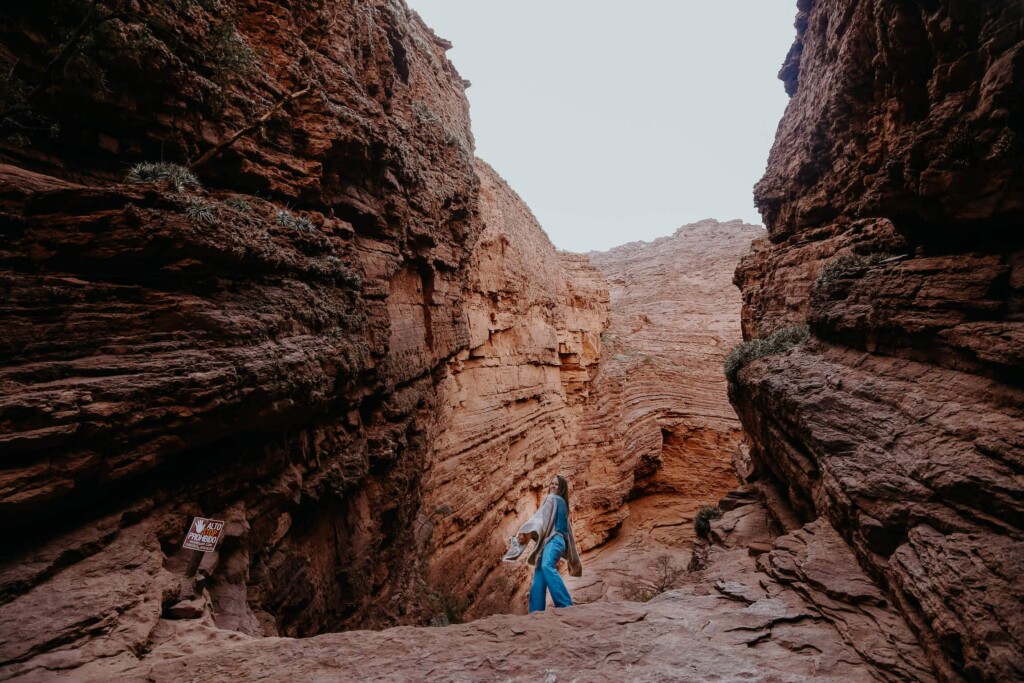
<point x="513" y="399"/>
<point x="891" y="199"/>
<point x="347" y="337"/>
<point x="660" y="443"/>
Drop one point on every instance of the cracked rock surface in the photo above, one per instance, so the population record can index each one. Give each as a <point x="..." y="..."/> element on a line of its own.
<point x="783" y="615"/>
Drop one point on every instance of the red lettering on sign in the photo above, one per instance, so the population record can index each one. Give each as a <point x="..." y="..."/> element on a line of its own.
<point x="203" y="534"/>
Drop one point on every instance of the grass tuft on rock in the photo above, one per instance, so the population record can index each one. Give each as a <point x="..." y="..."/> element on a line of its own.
<point x="200" y="210"/>
<point x="777" y="342"/>
<point x="702" y="522"/>
<point x="238" y="203"/>
<point x="175" y="176"/>
<point x="290" y="220"/>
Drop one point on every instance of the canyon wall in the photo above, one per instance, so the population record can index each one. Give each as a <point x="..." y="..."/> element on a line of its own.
<point x="892" y="199"/>
<point x="660" y="440"/>
<point x="514" y="400"/>
<point x="259" y="346"/>
<point x="345" y="337"/>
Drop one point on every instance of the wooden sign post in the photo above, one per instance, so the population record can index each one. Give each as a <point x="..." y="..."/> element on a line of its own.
<point x="201" y="538"/>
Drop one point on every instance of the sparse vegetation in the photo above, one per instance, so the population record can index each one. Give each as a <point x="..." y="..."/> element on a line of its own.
<point x="778" y="342"/>
<point x="1006" y="145"/>
<point x="702" y="522"/>
<point x="174" y="176"/>
<point x="665" y="577"/>
<point x="290" y="220"/>
<point x="200" y="210"/>
<point x="959" y="150"/>
<point x="345" y="275"/>
<point x="424" y="113"/>
<point x="238" y="203"/>
<point x="446" y="608"/>
<point x="232" y="59"/>
<point x="847" y="263"/>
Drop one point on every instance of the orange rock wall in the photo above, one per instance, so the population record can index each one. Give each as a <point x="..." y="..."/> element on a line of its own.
<point x="372" y="399"/>
<point x="675" y="314"/>
<point x="514" y="397"/>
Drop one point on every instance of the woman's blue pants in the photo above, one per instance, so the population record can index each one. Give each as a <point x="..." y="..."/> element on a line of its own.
<point x="546" y="578"/>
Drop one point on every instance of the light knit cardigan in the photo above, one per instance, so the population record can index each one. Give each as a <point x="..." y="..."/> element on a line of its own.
<point x="541" y="528"/>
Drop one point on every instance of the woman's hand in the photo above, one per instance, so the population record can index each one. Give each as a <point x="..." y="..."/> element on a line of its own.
<point x="523" y="539"/>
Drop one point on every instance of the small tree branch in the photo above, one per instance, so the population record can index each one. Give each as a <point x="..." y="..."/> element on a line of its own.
<point x="248" y="128"/>
<point x="87" y="26"/>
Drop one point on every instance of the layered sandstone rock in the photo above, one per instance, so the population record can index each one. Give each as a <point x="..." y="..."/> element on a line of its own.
<point x="355" y="345"/>
<point x="288" y="360"/>
<point x="660" y="440"/>
<point x="513" y="399"/>
<point x="890" y="199"/>
<point x="352" y="341"/>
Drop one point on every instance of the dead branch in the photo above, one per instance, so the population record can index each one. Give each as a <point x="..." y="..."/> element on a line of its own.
<point x="89" y="24"/>
<point x="250" y="127"/>
<point x="310" y="86"/>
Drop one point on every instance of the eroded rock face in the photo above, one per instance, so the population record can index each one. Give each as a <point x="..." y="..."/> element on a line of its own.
<point x="200" y="352"/>
<point x="309" y="345"/>
<point x="661" y="438"/>
<point x="514" y="400"/>
<point x="900" y="420"/>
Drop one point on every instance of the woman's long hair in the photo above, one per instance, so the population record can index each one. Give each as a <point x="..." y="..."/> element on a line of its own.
<point x="563" y="490"/>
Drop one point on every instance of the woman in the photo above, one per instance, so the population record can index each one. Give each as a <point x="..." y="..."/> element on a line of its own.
<point x="550" y="528"/>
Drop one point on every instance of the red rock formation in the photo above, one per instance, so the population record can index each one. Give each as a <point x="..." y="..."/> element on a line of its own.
<point x="513" y="399"/>
<point x="330" y="380"/>
<point x="900" y="420"/>
<point x="354" y="345"/>
<point x="661" y="437"/>
<point x="200" y="352"/>
<point x="803" y="611"/>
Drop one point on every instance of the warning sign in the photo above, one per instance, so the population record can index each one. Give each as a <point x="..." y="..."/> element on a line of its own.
<point x="203" y="535"/>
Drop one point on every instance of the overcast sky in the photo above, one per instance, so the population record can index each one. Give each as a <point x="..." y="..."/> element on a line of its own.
<point x="621" y="121"/>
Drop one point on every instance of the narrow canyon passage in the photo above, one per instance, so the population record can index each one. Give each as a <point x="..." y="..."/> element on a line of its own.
<point x="252" y="270"/>
<point x="674" y="313"/>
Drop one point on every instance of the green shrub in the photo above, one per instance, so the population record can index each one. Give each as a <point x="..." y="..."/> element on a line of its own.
<point x="778" y="342"/>
<point x="175" y="176"/>
<point x="231" y="59"/>
<point x="702" y="522"/>
<point x="345" y="275"/>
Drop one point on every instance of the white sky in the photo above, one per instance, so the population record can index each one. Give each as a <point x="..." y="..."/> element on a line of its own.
<point x="617" y="121"/>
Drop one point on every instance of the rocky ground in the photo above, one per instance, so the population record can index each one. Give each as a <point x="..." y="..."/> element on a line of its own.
<point x="794" y="610"/>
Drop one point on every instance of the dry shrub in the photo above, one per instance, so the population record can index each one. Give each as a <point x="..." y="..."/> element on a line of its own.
<point x="778" y="342"/>
<point x="664" y="577"/>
